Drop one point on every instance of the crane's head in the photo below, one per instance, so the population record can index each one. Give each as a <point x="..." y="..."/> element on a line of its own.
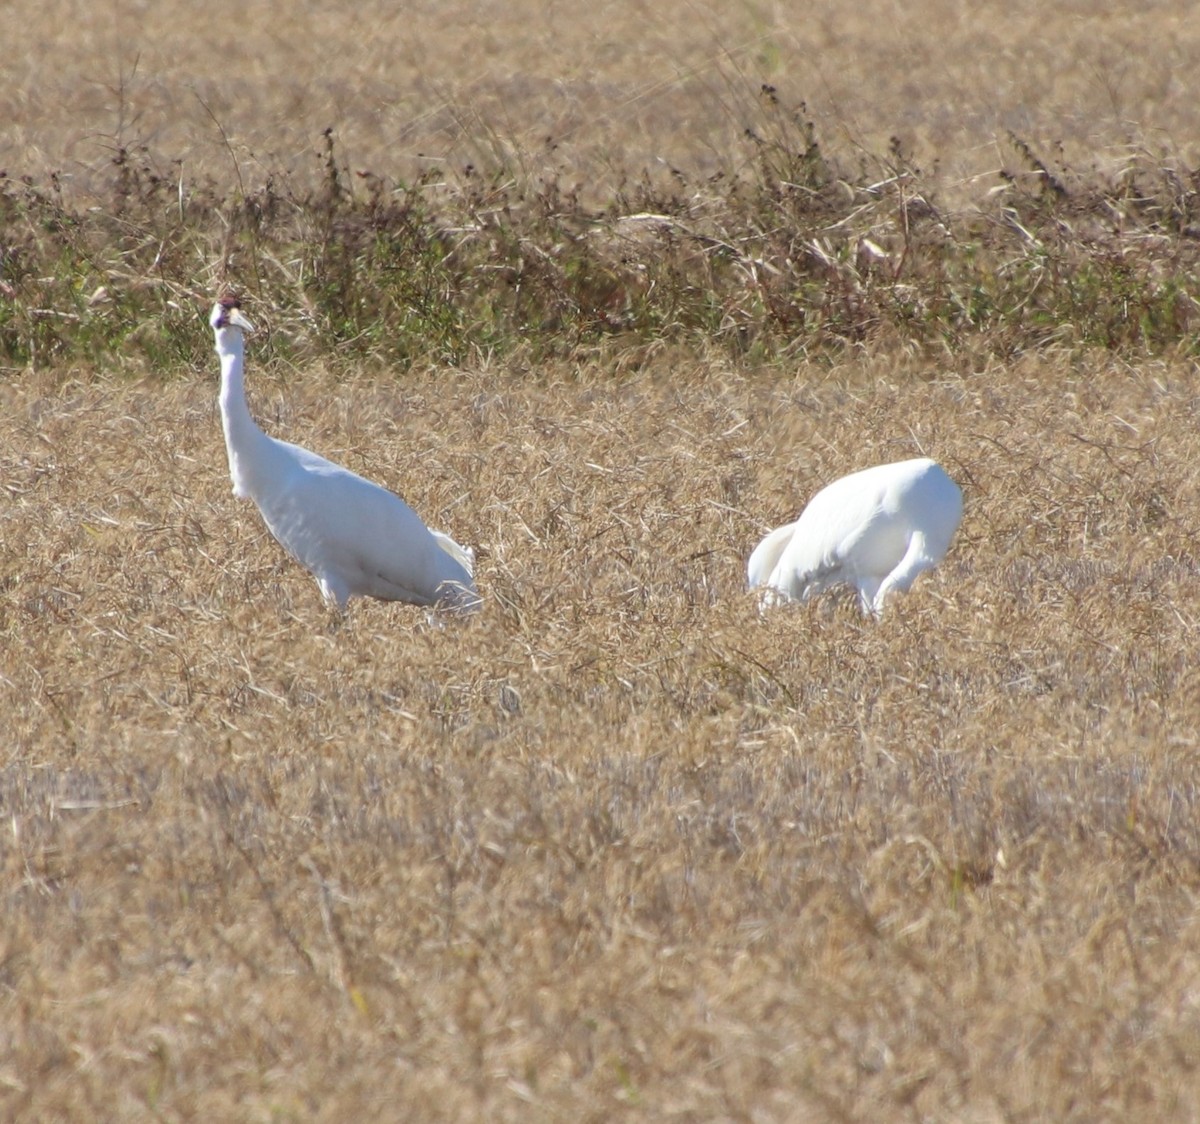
<point x="227" y="313"/>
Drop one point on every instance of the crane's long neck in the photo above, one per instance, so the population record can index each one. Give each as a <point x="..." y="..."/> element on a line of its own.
<point x="245" y="443"/>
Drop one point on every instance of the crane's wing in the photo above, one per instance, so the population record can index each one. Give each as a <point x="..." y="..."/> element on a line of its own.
<point x="847" y="533"/>
<point x="463" y="555"/>
<point x="361" y="539"/>
<point x="844" y="533"/>
<point x="875" y="529"/>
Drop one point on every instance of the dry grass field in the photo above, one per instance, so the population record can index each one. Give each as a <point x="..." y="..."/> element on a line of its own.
<point x="622" y="847"/>
<point x="602" y="90"/>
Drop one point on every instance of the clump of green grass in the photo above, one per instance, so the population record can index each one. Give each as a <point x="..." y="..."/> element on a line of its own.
<point x="797" y="250"/>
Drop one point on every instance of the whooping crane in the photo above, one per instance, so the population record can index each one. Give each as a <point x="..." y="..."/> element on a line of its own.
<point x="354" y="536"/>
<point x="875" y="530"/>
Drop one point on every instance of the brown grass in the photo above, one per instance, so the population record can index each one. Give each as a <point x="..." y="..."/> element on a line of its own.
<point x="600" y="91"/>
<point x="620" y="844"/>
<point x="621" y="847"/>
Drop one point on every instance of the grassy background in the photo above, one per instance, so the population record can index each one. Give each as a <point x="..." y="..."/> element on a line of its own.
<point x="601" y="306"/>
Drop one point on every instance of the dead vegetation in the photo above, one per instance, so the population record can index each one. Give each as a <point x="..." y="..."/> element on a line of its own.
<point x="621" y="848"/>
<point x="621" y="845"/>
<point x="725" y="205"/>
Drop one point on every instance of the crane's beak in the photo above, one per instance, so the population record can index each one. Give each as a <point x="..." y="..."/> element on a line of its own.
<point x="235" y="319"/>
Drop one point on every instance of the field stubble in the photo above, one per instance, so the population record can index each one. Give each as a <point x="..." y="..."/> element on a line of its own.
<point x="606" y="304"/>
<point x="622" y="843"/>
<point x="596" y="94"/>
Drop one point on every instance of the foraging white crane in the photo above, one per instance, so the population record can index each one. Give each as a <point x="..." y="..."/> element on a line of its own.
<point x="875" y="530"/>
<point x="354" y="536"/>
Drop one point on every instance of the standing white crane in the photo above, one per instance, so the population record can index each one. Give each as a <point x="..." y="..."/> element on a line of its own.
<point x="356" y="537"/>
<point x="875" y="530"/>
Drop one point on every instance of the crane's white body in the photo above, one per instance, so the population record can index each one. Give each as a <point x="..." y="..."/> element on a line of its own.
<point x="354" y="536"/>
<point x="876" y="530"/>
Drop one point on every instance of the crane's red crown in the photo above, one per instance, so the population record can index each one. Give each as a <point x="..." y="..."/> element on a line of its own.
<point x="227" y="313"/>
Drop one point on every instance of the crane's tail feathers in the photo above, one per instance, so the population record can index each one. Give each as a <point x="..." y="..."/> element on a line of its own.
<point x="761" y="567"/>
<point x="463" y="555"/>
